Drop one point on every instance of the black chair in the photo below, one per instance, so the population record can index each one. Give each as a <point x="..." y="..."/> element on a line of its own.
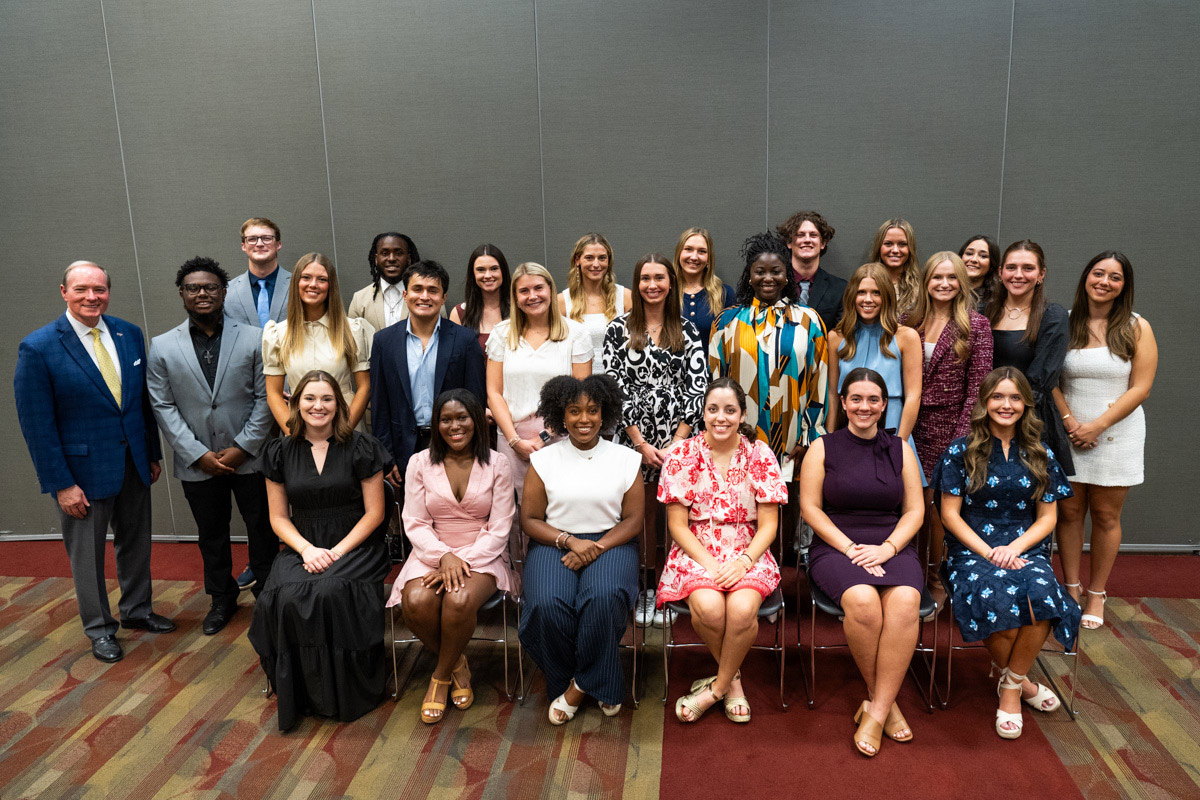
<point x="819" y="601"/>
<point x="1073" y="655"/>
<point x="772" y="606"/>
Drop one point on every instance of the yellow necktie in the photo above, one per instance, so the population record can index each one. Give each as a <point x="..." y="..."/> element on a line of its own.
<point x="107" y="368"/>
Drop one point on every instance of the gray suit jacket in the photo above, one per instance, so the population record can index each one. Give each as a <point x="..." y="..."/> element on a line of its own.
<point x="239" y="299"/>
<point x="195" y="419"/>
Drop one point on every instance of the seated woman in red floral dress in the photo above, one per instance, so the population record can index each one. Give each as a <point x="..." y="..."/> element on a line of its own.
<point x="722" y="491"/>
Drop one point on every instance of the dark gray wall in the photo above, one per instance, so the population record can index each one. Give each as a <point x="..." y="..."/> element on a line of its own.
<point x="139" y="134"/>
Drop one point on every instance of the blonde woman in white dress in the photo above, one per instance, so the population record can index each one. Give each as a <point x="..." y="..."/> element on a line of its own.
<point x="593" y="297"/>
<point x="1107" y="375"/>
<point x="317" y="334"/>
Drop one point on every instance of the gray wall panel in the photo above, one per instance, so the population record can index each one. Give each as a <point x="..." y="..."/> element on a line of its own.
<point x="653" y="121"/>
<point x="1102" y="154"/>
<point x="877" y="114"/>
<point x="64" y="198"/>
<point x="216" y="128"/>
<point x="431" y="112"/>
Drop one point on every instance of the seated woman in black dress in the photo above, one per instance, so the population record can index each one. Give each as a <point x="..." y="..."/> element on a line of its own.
<point x="318" y="624"/>
<point x="860" y="490"/>
<point x="582" y="510"/>
<point x="999" y="485"/>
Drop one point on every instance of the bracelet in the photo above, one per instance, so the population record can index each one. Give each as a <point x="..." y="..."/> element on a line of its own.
<point x="895" y="552"/>
<point x="749" y="561"/>
<point x="513" y="441"/>
<point x="636" y="445"/>
<point x="560" y="540"/>
<point x="846" y="552"/>
<point x="1066" y="417"/>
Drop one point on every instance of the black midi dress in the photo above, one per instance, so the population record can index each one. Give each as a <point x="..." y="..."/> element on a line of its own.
<point x="319" y="636"/>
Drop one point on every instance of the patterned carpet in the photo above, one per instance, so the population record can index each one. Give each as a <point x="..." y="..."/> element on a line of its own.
<point x="183" y="716"/>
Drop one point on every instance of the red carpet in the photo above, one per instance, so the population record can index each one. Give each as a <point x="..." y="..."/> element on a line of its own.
<point x="711" y="759"/>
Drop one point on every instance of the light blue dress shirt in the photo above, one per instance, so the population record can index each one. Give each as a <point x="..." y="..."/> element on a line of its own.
<point x="422" y="362"/>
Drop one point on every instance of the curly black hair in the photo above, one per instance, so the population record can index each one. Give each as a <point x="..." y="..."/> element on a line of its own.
<point x="201" y="264"/>
<point x="561" y="391"/>
<point x="752" y="248"/>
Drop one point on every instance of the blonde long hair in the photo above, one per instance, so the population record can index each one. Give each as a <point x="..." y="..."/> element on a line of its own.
<point x="888" y="317"/>
<point x="713" y="287"/>
<point x="608" y="284"/>
<point x="1027" y="438"/>
<point x="340" y="337"/>
<point x="908" y="288"/>
<point x="960" y="308"/>
<point x="518" y="320"/>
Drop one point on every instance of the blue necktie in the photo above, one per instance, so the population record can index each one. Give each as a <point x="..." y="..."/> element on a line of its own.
<point x="264" y="303"/>
<point x="804" y="287"/>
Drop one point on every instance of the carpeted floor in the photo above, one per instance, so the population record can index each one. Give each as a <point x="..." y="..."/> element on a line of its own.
<point x="183" y="715"/>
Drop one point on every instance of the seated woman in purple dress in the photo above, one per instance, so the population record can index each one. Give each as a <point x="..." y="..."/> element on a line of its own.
<point x="860" y="489"/>
<point x="458" y="510"/>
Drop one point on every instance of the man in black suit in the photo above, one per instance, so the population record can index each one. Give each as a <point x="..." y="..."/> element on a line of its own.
<point x="415" y="360"/>
<point x="807" y="235"/>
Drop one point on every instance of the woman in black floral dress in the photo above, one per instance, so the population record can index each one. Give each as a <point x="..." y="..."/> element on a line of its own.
<point x="656" y="358"/>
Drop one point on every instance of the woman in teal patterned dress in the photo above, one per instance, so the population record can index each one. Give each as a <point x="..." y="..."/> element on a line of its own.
<point x="999" y="486"/>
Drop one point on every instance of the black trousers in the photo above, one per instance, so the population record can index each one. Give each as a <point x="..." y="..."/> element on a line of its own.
<point x="212" y="506"/>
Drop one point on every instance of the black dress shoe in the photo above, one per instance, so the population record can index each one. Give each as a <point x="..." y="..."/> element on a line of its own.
<point x="152" y="622"/>
<point x="107" y="649"/>
<point x="218" y="617"/>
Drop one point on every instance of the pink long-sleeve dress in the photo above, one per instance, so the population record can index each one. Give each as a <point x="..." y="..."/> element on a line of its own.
<point x="475" y="529"/>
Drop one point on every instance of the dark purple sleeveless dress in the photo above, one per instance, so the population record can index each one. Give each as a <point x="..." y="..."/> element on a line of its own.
<point x="863" y="495"/>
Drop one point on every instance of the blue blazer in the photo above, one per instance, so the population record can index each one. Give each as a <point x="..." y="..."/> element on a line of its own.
<point x="460" y="365"/>
<point x="71" y="423"/>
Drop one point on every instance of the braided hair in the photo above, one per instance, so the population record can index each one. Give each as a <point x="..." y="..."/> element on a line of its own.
<point x="413" y="257"/>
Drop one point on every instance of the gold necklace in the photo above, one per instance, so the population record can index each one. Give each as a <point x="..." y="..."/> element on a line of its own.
<point x="1015" y="313"/>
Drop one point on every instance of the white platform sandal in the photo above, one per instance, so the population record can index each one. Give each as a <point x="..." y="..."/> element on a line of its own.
<point x="1009" y="680"/>
<point x="1091" y="621"/>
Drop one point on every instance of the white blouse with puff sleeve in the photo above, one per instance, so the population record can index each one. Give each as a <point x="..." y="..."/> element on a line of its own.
<point x="317" y="353"/>
<point x="527" y="370"/>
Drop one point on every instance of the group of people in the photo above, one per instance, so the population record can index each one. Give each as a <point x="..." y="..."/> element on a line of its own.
<point x="533" y="438"/>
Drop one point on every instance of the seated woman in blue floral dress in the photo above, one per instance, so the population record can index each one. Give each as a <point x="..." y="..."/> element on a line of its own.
<point x="999" y="485"/>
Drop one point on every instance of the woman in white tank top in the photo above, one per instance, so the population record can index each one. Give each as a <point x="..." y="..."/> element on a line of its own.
<point x="593" y="297"/>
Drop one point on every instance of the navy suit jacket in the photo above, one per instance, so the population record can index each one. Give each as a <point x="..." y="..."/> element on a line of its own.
<point x="825" y="297"/>
<point x="75" y="432"/>
<point x="460" y="365"/>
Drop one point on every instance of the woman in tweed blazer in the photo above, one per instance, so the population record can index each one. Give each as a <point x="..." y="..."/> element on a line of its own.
<point x="957" y="341"/>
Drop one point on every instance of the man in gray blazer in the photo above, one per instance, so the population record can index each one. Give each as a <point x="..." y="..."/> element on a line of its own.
<point x="260" y="293"/>
<point x="210" y="399"/>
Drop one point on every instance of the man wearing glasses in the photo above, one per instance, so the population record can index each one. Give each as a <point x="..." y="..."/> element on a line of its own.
<point x="210" y="399"/>
<point x="260" y="293"/>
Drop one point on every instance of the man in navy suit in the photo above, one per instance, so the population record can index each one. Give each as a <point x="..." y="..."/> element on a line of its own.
<point x="415" y="360"/>
<point x="86" y="417"/>
<point x="807" y="235"/>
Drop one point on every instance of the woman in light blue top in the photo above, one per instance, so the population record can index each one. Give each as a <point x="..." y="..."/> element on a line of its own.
<point x="870" y="335"/>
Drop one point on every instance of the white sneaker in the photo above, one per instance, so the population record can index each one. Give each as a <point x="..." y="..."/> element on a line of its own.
<point x="660" y="616"/>
<point x="645" y="608"/>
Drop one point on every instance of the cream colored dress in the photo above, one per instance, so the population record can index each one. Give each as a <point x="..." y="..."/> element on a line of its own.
<point x="317" y="353"/>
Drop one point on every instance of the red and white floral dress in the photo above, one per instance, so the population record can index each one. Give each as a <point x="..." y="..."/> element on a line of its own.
<point x="722" y="513"/>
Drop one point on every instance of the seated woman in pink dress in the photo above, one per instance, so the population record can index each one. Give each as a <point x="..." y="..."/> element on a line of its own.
<point x="722" y="491"/>
<point x="458" y="509"/>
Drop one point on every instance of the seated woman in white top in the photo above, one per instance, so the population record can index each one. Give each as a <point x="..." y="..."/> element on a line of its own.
<point x="582" y="511"/>
<point x="524" y="351"/>
<point x="458" y="509"/>
<point x="593" y="297"/>
<point x="317" y="335"/>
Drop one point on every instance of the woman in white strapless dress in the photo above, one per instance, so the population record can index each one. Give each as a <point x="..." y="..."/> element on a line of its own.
<point x="1107" y="374"/>
<point x="593" y="297"/>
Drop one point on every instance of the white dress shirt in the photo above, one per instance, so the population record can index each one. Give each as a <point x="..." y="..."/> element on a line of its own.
<point x="393" y="301"/>
<point x="85" y="335"/>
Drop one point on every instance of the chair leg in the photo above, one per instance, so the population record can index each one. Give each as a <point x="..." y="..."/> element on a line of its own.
<point x="779" y="626"/>
<point x="668" y="640"/>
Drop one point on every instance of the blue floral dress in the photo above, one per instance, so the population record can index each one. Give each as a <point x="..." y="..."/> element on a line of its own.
<point x="988" y="599"/>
